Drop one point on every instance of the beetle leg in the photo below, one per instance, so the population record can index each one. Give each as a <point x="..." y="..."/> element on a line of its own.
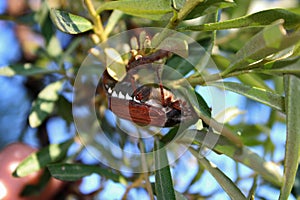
<point x="176" y="105"/>
<point x="143" y="93"/>
<point x="161" y="87"/>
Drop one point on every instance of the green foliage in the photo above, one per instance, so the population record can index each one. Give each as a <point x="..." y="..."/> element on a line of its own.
<point x="69" y="23"/>
<point x="155" y="10"/>
<point x="44" y="105"/>
<point x="36" y="161"/>
<point x="263" y="49"/>
<point x="73" y="172"/>
<point x="163" y="180"/>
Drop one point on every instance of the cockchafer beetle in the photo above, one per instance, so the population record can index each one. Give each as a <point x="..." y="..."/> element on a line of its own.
<point x="148" y="104"/>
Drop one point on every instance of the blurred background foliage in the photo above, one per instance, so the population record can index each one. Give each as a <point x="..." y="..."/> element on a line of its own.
<point x="40" y="60"/>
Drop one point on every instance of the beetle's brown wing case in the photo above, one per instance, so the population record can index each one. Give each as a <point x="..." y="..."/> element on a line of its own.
<point x="139" y="113"/>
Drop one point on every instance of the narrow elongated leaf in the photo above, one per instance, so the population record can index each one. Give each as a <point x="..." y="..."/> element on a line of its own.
<point x="70" y="23"/>
<point x="43" y="19"/>
<point x="259" y="19"/>
<point x="115" y="64"/>
<point x="73" y="172"/>
<point x="154" y="10"/>
<point x="163" y="179"/>
<point x="112" y="21"/>
<point x="254" y="80"/>
<point x="43" y="157"/>
<point x="229" y="187"/>
<point x="23" y="69"/>
<point x="221" y="145"/>
<point x="249" y="79"/>
<point x="228" y="114"/>
<point x="208" y="7"/>
<point x="268" y="98"/>
<point x="44" y="104"/>
<point x="271" y="39"/>
<point x="282" y="67"/>
<point x="292" y="149"/>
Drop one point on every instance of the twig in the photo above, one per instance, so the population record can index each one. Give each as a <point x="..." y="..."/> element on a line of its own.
<point x="98" y="28"/>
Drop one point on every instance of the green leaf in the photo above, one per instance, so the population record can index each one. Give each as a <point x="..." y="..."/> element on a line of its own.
<point x="229" y="187"/>
<point x="112" y="21"/>
<point x="270" y="40"/>
<point x="163" y="179"/>
<point x="282" y="67"/>
<point x="154" y="10"/>
<point x="268" y="98"/>
<point x="220" y="144"/>
<point x="70" y="23"/>
<point x="249" y="79"/>
<point x="42" y="17"/>
<point x="54" y="48"/>
<point x="64" y="109"/>
<point x="254" y="80"/>
<point x="203" y="107"/>
<point x="241" y="8"/>
<point x="209" y="7"/>
<point x="73" y="172"/>
<point x="259" y="19"/>
<point x="228" y="114"/>
<point x="44" y="104"/>
<point x="180" y="65"/>
<point x="43" y="157"/>
<point x="116" y="67"/>
<point x="26" y="69"/>
<point x="292" y="149"/>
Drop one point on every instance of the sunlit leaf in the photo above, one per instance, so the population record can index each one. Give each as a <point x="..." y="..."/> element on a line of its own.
<point x="268" y="98"/>
<point x="26" y="69"/>
<point x="73" y="172"/>
<point x="70" y="23"/>
<point x="218" y="143"/>
<point x="41" y="158"/>
<point x="229" y="187"/>
<point x="44" y="104"/>
<point x="228" y="114"/>
<point x="247" y="78"/>
<point x="115" y="64"/>
<point x="54" y="47"/>
<point x="178" y="4"/>
<point x="271" y="39"/>
<point x="112" y="21"/>
<point x="292" y="148"/>
<point x="282" y="67"/>
<point x="259" y="19"/>
<point x="163" y="179"/>
<point x="154" y="10"/>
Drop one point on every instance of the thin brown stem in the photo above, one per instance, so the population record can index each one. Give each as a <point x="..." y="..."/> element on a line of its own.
<point x="135" y="184"/>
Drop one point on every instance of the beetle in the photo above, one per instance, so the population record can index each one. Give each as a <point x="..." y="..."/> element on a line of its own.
<point x="148" y="104"/>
